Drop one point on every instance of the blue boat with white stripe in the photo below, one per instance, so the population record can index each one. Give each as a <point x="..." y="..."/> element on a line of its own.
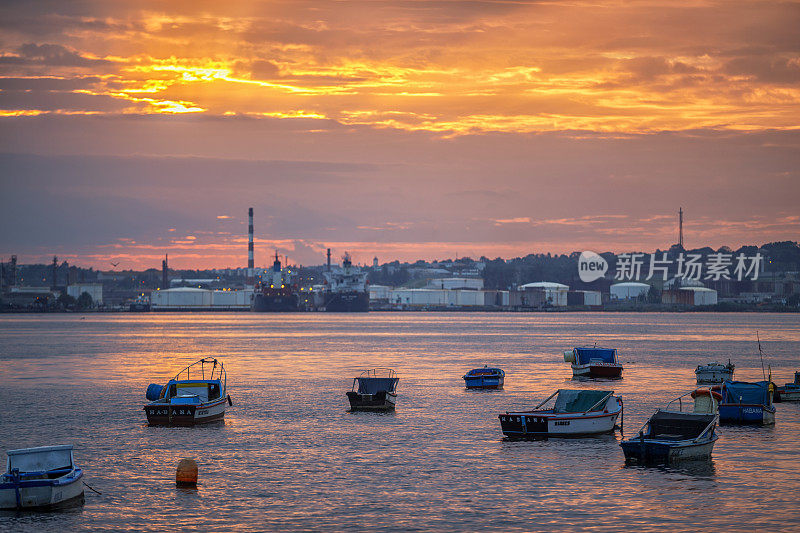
<point x="484" y="378"/>
<point x="41" y="478"/>
<point x="746" y="403"/>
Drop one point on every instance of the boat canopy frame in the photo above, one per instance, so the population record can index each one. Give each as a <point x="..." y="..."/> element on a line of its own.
<point x="216" y="367"/>
<point x="679" y="399"/>
<point x="589" y="410"/>
<point x="387" y="376"/>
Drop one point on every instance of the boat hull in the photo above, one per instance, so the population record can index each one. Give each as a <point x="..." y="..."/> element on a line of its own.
<point x="658" y="451"/>
<point x="380" y="401"/>
<point x="789" y="394"/>
<point x="42" y="494"/>
<point x="347" y="302"/>
<point x="597" y="370"/>
<point x="534" y="425"/>
<point x="164" y="414"/>
<point x="736" y="413"/>
<point x="713" y="376"/>
<point x="282" y="303"/>
<point x="484" y="382"/>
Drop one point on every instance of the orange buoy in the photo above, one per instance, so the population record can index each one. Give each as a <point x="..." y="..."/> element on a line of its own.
<point x="186" y="475"/>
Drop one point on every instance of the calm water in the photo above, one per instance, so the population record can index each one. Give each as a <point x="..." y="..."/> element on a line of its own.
<point x="289" y="456"/>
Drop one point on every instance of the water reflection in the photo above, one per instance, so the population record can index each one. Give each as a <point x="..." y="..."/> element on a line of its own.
<point x="290" y="456"/>
<point x="702" y="469"/>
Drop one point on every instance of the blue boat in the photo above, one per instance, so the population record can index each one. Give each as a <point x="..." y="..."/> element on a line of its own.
<point x="746" y="403"/>
<point x="594" y="362"/>
<point x="484" y="378"/>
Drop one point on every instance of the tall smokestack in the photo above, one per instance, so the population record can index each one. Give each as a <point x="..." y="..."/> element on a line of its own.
<point x="680" y="227"/>
<point x="251" y="264"/>
<point x="164" y="272"/>
<point x="329" y="259"/>
<point x="55" y="272"/>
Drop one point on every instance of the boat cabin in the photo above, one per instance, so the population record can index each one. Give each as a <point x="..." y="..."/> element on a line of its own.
<point x="585" y="356"/>
<point x="667" y="425"/>
<point x="375" y="385"/>
<point x="192" y="391"/>
<point x="44" y="462"/>
<point x="594" y="362"/>
<point x="41" y="478"/>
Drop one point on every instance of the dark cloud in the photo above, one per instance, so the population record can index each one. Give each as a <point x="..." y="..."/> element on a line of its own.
<point x="51" y="55"/>
<point x="264" y="70"/>
<point x="63" y="101"/>
<point x="650" y="68"/>
<point x="346" y="185"/>
<point x="47" y="83"/>
<point x="766" y="69"/>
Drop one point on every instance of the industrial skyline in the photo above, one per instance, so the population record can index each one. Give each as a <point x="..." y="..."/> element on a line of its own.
<point x="403" y="130"/>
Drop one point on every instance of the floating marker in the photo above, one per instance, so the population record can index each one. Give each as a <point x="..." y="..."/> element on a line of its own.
<point x="186" y="475"/>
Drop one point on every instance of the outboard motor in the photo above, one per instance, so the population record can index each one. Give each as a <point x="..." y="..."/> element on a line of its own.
<point x="154" y="391"/>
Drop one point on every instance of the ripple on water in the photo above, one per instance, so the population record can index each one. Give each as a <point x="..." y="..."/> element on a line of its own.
<point x="289" y="456"/>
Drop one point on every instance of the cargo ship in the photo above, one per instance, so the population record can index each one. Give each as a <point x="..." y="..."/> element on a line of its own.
<point x="347" y="290"/>
<point x="274" y="293"/>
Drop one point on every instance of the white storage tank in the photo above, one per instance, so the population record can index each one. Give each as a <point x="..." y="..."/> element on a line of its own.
<point x="188" y="298"/>
<point x="592" y="298"/>
<point x="379" y="292"/>
<point x="629" y="290"/>
<point x="95" y="290"/>
<point x="469" y="298"/>
<point x="455" y="283"/>
<point x="702" y="295"/>
<point x="554" y="293"/>
<point x="418" y="297"/>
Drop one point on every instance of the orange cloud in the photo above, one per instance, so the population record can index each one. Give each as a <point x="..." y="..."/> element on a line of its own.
<point x="619" y="67"/>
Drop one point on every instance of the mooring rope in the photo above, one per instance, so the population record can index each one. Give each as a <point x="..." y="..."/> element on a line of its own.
<point x="90" y="488"/>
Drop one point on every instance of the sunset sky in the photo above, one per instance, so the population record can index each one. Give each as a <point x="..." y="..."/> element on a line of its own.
<point x="403" y="130"/>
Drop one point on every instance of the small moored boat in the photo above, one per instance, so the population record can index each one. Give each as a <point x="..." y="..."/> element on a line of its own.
<point x="746" y="403"/>
<point x="714" y="372"/>
<point x="575" y="413"/>
<point x="670" y="436"/>
<point x="374" y="390"/>
<point x="594" y="362"/>
<point x="791" y="391"/>
<point x="484" y="378"/>
<point x="196" y="395"/>
<point x="41" y="478"/>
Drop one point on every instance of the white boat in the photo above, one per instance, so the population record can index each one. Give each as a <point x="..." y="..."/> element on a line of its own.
<point x="714" y="372"/>
<point x="575" y="413"/>
<point x="41" y="478"/>
<point x="791" y="391"/>
<point x="676" y="435"/>
<point x="196" y="395"/>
